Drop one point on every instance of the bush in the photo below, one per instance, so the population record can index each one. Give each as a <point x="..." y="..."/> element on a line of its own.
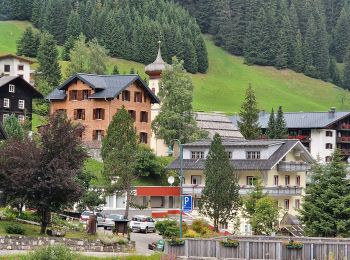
<point x="191" y="234"/>
<point x="184" y="227"/>
<point x="15" y="229"/>
<point x="56" y="252"/>
<point x="9" y="214"/>
<point x="171" y="232"/>
<point x="200" y="226"/>
<point x="109" y="239"/>
<point x="30" y="216"/>
<point x="161" y="226"/>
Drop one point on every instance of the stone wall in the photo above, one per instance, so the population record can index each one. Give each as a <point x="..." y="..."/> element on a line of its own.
<point x="13" y="242"/>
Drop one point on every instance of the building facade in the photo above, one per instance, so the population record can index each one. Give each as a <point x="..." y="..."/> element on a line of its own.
<point x="12" y="65"/>
<point x="320" y="132"/>
<point x="281" y="165"/>
<point x="16" y="96"/>
<point x="93" y="100"/>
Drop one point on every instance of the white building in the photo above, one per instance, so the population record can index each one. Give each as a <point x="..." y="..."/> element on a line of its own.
<point x="320" y="132"/>
<point x="12" y="65"/>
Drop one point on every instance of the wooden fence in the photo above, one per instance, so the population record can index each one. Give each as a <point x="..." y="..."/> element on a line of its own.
<point x="260" y="247"/>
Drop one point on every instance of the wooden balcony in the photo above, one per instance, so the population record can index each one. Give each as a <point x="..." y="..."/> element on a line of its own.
<point x="343" y="139"/>
<point x="293" y="166"/>
<point x="302" y="138"/>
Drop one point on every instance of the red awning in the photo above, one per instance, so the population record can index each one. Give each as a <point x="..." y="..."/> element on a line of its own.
<point x="157" y="191"/>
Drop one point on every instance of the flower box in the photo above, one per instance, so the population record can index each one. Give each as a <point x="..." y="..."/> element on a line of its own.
<point x="229" y="243"/>
<point x="176" y="242"/>
<point x="294" y="245"/>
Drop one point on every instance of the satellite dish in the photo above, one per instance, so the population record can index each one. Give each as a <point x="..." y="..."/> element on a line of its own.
<point x="171" y="180"/>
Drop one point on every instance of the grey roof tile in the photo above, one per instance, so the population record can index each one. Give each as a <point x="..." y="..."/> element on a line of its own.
<point x="56" y="95"/>
<point x="302" y="119"/>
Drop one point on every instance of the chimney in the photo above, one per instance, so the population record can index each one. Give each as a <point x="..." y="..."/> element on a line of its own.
<point x="332" y="111"/>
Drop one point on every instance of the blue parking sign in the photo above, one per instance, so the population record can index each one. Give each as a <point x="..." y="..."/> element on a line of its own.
<point x="187" y="203"/>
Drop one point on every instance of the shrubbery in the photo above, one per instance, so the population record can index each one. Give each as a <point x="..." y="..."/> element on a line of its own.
<point x="108" y="239"/>
<point x="161" y="226"/>
<point x="15" y="229"/>
<point x="200" y="226"/>
<point x="56" y="252"/>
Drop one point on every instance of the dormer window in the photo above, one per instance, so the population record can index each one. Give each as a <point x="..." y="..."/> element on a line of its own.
<point x="85" y="94"/>
<point x="197" y="155"/>
<point x="253" y="155"/>
<point x="138" y="97"/>
<point x="73" y="94"/>
<point x="126" y="95"/>
<point x="12" y="88"/>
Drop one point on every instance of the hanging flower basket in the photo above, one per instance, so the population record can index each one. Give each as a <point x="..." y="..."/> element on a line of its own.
<point x="229" y="242"/>
<point x="294" y="245"/>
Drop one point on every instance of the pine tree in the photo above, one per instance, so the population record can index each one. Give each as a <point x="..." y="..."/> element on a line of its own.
<point x="271" y="126"/>
<point x="190" y="63"/>
<point x="68" y="45"/>
<point x="115" y="70"/>
<point x="249" y="116"/>
<point x="342" y="34"/>
<point x="298" y="59"/>
<point x="49" y="68"/>
<point x="281" y="60"/>
<point x="119" y="149"/>
<point x="27" y="45"/>
<point x="132" y="71"/>
<point x="281" y="130"/>
<point x="221" y="205"/>
<point x="202" y="55"/>
<point x="325" y="209"/>
<point x="74" y="27"/>
<point x="13" y="128"/>
<point x="334" y="73"/>
<point x="346" y="73"/>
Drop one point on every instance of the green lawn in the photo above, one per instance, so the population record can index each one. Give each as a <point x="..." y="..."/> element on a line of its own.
<point x="10" y="31"/>
<point x="222" y="88"/>
<point x="37" y="121"/>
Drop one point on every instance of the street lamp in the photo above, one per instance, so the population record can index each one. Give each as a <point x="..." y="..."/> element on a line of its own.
<point x="181" y="180"/>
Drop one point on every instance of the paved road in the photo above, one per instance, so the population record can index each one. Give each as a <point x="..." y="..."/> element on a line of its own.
<point x="142" y="240"/>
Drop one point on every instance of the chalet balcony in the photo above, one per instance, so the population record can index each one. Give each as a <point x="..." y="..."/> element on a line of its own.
<point x="302" y="138"/>
<point x="344" y="127"/>
<point x="345" y="151"/>
<point x="343" y="139"/>
<point x="190" y="189"/>
<point x="293" y="166"/>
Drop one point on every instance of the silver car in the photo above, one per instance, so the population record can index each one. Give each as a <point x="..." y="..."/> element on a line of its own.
<point x="109" y="221"/>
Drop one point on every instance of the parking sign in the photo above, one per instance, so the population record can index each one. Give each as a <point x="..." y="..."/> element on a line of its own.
<point x="187" y="203"/>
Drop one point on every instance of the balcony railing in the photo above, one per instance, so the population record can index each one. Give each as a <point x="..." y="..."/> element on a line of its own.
<point x="293" y="166"/>
<point x="302" y="138"/>
<point x="343" y="139"/>
<point x="190" y="189"/>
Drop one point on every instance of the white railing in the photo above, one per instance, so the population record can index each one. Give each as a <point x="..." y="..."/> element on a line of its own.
<point x="293" y="166"/>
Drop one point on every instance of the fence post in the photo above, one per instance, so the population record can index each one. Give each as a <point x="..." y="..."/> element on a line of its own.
<point x="186" y="248"/>
<point x="312" y="251"/>
<point x="247" y="250"/>
<point x="279" y="251"/>
<point x="217" y="249"/>
<point x="346" y="251"/>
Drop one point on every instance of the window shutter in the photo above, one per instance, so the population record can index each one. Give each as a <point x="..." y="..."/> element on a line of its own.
<point x="94" y="114"/>
<point x="135" y="96"/>
<point x="83" y="114"/>
<point x="75" y="114"/>
<point x="70" y="94"/>
<point x="80" y="94"/>
<point x="102" y="114"/>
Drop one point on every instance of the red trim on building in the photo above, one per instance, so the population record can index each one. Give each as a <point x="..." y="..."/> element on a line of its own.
<point x="157" y="191"/>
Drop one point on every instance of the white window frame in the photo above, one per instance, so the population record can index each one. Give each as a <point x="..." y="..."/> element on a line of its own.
<point x="11" y="88"/>
<point x="229" y="154"/>
<point x="4" y="116"/>
<point x="251" y="180"/>
<point x="196" y="179"/>
<point x="197" y="155"/>
<point x="286" y="204"/>
<point x="7" y="102"/>
<point x="21" y="103"/>
<point x="21" y="118"/>
<point x="253" y="155"/>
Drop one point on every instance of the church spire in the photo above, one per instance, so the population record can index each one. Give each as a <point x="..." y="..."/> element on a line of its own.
<point x="156" y="67"/>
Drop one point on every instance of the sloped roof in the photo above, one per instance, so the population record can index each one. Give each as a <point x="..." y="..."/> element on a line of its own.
<point x="8" y="79"/>
<point x="217" y="123"/>
<point x="106" y="86"/>
<point x="243" y="164"/>
<point x="302" y="119"/>
<point x="7" y="56"/>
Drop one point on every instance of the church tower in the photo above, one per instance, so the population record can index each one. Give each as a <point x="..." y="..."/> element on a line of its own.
<point x="154" y="71"/>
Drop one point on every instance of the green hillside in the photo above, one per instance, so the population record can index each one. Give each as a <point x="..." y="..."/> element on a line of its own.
<point x="222" y="88"/>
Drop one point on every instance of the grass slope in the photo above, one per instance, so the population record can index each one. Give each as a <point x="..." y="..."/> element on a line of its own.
<point x="223" y="87"/>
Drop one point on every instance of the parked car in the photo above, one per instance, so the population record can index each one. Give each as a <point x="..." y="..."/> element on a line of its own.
<point x="109" y="221"/>
<point x="142" y="224"/>
<point x="85" y="216"/>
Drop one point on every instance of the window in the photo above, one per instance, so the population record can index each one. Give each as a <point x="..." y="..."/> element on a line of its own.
<point x="143" y="116"/>
<point x="297" y="203"/>
<point x="7" y="68"/>
<point x="297" y="181"/>
<point x="229" y="154"/>
<point x="21" y="104"/>
<point x="329" y="133"/>
<point x="329" y="146"/>
<point x="79" y="114"/>
<point x="4" y="117"/>
<point x="286" y="204"/>
<point x="328" y="158"/>
<point x="253" y="155"/>
<point x="97" y="135"/>
<point x="196" y="179"/>
<point x="287" y="180"/>
<point x="197" y="155"/>
<point x="275" y="180"/>
<point x="138" y="97"/>
<point x="126" y="95"/>
<point x="86" y="94"/>
<point x="6" y="102"/>
<point x="73" y="95"/>
<point x="20" y="67"/>
<point x="21" y="118"/>
<point x="99" y="114"/>
<point x="143" y="138"/>
<point x="12" y="88"/>
<point x="251" y="180"/>
<point x="223" y="225"/>
<point x="132" y="114"/>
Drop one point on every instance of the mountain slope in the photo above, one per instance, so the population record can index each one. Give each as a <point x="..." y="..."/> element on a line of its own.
<point x="223" y="87"/>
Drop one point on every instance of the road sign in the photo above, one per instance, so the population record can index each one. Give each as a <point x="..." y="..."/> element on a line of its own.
<point x="187" y="203"/>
